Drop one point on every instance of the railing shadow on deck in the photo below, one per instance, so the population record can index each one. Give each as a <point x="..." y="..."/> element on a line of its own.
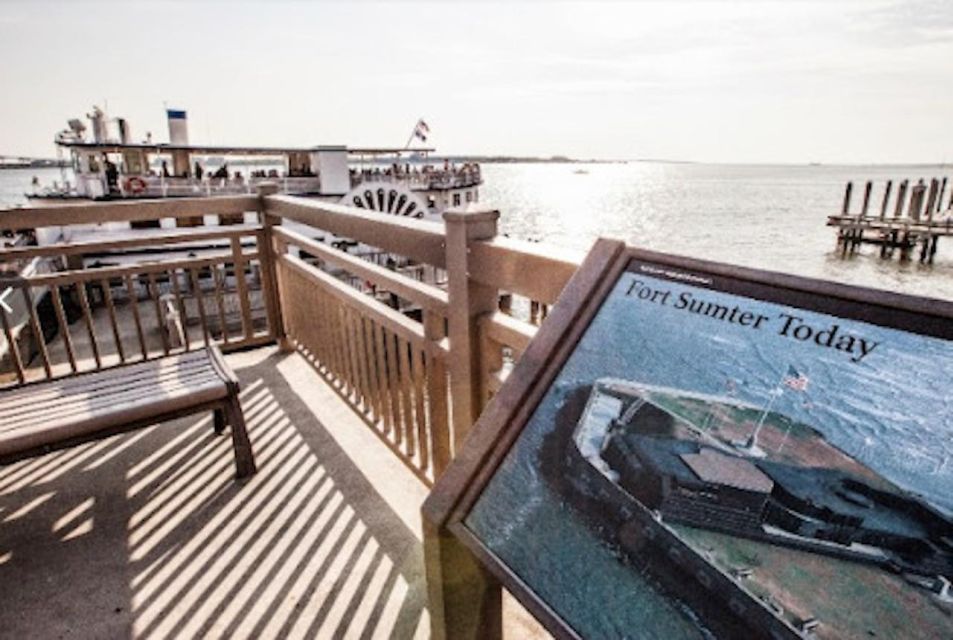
<point x="149" y="535"/>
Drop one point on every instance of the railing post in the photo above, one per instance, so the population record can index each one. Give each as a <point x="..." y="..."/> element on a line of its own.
<point x="269" y="268"/>
<point x="468" y="301"/>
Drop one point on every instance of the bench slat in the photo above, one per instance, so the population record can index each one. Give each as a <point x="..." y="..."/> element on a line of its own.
<point x="79" y="403"/>
<point x="131" y="410"/>
<point x="36" y="418"/>
<point x="94" y="379"/>
<point x="45" y="398"/>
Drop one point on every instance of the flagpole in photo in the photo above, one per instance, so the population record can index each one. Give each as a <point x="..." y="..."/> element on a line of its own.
<point x="791" y="378"/>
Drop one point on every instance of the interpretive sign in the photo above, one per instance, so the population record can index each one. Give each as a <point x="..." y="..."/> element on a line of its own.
<point x="692" y="450"/>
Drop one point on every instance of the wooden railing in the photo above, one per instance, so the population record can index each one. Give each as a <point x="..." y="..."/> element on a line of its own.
<point x="207" y="286"/>
<point x="417" y="357"/>
<point x="350" y="331"/>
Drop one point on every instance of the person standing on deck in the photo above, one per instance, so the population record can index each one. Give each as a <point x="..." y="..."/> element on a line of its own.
<point x="112" y="176"/>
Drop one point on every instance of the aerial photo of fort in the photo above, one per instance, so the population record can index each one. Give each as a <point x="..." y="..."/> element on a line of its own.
<point x="776" y="527"/>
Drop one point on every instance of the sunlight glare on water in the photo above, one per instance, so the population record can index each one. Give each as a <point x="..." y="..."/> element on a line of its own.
<point x="762" y="216"/>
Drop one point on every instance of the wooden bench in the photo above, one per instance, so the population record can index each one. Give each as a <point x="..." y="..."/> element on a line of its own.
<point x="42" y="417"/>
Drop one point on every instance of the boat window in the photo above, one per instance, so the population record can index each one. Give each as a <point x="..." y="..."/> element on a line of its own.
<point x="191" y="221"/>
<point x="145" y="224"/>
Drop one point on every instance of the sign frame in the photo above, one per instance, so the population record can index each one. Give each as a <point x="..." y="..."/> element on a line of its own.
<point x="464" y="577"/>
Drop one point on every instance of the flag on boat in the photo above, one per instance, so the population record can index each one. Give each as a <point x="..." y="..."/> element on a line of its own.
<point x="421" y="130"/>
<point x="795" y="379"/>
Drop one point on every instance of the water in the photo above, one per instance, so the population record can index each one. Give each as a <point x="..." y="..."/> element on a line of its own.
<point x="762" y="216"/>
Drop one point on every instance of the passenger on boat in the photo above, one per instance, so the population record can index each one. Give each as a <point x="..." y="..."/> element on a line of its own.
<point x="198" y="171"/>
<point x="165" y="169"/>
<point x="222" y="171"/>
<point x="112" y="176"/>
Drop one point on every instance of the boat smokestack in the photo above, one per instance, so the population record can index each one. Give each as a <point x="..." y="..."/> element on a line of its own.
<point x="98" y="120"/>
<point x="178" y="127"/>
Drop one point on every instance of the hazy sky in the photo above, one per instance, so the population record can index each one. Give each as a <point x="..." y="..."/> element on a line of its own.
<point x="797" y="82"/>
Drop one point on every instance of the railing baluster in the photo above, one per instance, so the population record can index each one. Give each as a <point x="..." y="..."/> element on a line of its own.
<point x="384" y="381"/>
<point x="360" y="353"/>
<point x="335" y="364"/>
<point x="238" y="260"/>
<point x="180" y="305"/>
<point x="153" y="290"/>
<point x="352" y="354"/>
<point x="394" y="384"/>
<point x="220" y="301"/>
<point x="64" y="326"/>
<point x="438" y="402"/>
<point x="200" y="302"/>
<point x="268" y="286"/>
<point x="406" y="381"/>
<point x="326" y="346"/>
<point x="367" y="341"/>
<point x="113" y="323"/>
<point x="88" y="319"/>
<point x="337" y="338"/>
<point x="14" y="348"/>
<point x="134" y="306"/>
<point x="38" y="337"/>
<point x="421" y="412"/>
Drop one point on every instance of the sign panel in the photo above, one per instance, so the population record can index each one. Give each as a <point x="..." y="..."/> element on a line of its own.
<point x="719" y="456"/>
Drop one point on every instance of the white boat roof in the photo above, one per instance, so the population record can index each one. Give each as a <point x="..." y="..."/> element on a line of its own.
<point x="158" y="147"/>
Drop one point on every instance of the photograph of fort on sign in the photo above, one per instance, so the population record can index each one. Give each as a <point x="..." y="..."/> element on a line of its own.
<point x="830" y="547"/>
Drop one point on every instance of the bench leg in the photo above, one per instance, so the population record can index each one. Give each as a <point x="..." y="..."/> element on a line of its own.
<point x="220" y="421"/>
<point x="244" y="458"/>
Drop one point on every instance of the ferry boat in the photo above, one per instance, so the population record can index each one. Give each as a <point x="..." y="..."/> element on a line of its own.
<point x="108" y="165"/>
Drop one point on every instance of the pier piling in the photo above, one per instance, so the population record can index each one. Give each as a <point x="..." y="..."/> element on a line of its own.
<point x="918" y="220"/>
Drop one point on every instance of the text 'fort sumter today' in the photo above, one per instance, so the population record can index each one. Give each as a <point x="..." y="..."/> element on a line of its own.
<point x="786" y="324"/>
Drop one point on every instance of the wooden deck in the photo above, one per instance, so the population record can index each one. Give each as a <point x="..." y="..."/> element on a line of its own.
<point x="146" y="535"/>
<point x="352" y="418"/>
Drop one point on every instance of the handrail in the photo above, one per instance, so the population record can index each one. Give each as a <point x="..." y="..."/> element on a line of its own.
<point x="127" y="211"/>
<point x="428" y="297"/>
<point x="416" y="239"/>
<point x="507" y="330"/>
<point x="392" y="320"/>
<point x="523" y="267"/>
<point x="99" y="273"/>
<point x="144" y="238"/>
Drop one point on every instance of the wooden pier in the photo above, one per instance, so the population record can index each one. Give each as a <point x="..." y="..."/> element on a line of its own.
<point x="915" y="219"/>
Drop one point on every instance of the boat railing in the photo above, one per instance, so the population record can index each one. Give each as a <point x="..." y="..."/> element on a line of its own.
<point x="170" y="187"/>
<point x="417" y="345"/>
<point x="427" y="180"/>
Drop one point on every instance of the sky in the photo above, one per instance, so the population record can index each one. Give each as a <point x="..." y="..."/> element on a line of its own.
<point x="832" y="82"/>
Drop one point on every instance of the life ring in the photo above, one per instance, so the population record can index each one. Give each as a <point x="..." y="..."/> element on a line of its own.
<point x="135" y="185"/>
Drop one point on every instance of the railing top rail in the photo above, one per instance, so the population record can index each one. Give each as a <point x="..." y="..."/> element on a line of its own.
<point x="99" y="273"/>
<point x="125" y="211"/>
<point x="538" y="272"/>
<point x="143" y="238"/>
<point x="428" y="297"/>
<point x="423" y="241"/>
<point x="390" y="319"/>
<point x="508" y="330"/>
